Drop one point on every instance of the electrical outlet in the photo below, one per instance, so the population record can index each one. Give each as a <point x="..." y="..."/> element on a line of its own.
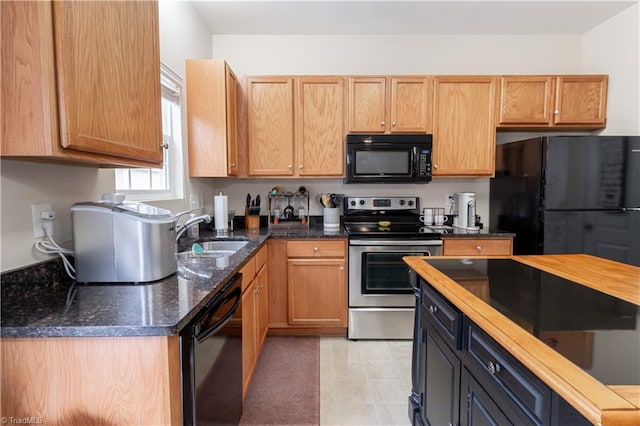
<point x="36" y="210"/>
<point x="449" y="200"/>
<point x="195" y="202"/>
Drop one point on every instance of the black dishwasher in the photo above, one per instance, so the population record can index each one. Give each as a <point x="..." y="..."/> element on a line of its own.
<point x="212" y="360"/>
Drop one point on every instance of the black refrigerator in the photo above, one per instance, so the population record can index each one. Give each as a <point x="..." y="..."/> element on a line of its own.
<point x="570" y="194"/>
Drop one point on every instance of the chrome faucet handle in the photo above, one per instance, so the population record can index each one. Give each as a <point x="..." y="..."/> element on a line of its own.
<point x="198" y="219"/>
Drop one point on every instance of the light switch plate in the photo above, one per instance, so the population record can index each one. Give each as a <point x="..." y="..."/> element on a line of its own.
<point x="195" y="202"/>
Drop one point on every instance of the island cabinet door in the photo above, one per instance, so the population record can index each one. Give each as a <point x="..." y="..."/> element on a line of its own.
<point x="440" y="381"/>
<point x="481" y="409"/>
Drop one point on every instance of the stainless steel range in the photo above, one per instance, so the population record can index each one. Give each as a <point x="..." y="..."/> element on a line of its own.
<point x="382" y="230"/>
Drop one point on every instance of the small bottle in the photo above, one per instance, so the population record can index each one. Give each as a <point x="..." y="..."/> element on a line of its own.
<point x="276" y="213"/>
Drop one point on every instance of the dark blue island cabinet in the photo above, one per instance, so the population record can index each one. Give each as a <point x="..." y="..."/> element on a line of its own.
<point x="461" y="376"/>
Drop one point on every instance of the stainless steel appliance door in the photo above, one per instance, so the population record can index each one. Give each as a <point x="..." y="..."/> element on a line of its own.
<point x="378" y="277"/>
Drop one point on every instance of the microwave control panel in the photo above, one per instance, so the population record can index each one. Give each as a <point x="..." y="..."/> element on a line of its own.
<point x="424" y="163"/>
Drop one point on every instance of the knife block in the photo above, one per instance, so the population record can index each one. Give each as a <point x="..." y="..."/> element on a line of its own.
<point x="251" y="222"/>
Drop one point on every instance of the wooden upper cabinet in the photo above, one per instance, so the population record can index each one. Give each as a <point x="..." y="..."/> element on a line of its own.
<point x="526" y="100"/>
<point x="320" y="113"/>
<point x="81" y="82"/>
<point x="388" y="104"/>
<point x="211" y="118"/>
<point x="367" y="104"/>
<point x="464" y="126"/>
<point x="576" y="101"/>
<point x="581" y="100"/>
<point x="409" y="104"/>
<point x="270" y="134"/>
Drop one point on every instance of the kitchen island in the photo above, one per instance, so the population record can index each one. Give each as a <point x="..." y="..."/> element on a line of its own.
<point x="526" y="340"/>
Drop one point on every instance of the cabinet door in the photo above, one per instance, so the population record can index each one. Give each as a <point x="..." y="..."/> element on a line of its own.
<point x="441" y="381"/>
<point x="262" y="308"/>
<point x="29" y="114"/>
<point x="248" y="335"/>
<point x="367" y="104"/>
<point x="526" y="100"/>
<point x="317" y="292"/>
<point x="581" y="100"/>
<point x="211" y="118"/>
<point x="464" y="132"/>
<point x="480" y="408"/>
<point x="232" y="121"/>
<point x="108" y="75"/>
<point x="320" y="114"/>
<point x="409" y="104"/>
<point x="270" y="125"/>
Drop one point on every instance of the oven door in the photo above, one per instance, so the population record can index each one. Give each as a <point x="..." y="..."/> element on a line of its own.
<point x="378" y="277"/>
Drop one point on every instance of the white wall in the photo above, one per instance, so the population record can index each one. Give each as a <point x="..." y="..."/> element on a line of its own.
<point x="614" y="48"/>
<point x="182" y="36"/>
<point x="349" y="55"/>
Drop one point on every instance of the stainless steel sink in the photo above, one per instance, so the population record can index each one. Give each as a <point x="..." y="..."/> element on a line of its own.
<point x="227" y="246"/>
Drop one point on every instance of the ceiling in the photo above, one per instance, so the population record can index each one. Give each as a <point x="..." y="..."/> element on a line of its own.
<point x="415" y="17"/>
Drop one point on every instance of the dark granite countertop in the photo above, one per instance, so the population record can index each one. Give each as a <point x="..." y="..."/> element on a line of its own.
<point x="41" y="301"/>
<point x="451" y="232"/>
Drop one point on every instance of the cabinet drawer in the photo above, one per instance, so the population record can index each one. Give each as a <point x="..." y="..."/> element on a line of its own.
<point x="316" y="248"/>
<point x="261" y="257"/>
<point x="248" y="271"/>
<point x="443" y="316"/>
<point x="497" y="368"/>
<point x="477" y="246"/>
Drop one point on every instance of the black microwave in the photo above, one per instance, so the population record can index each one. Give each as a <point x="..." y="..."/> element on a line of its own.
<point x="389" y="158"/>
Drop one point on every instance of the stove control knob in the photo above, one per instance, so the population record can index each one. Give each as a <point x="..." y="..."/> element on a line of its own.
<point x="402" y="202"/>
<point x="362" y="202"/>
<point x="410" y="202"/>
<point x="353" y="202"/>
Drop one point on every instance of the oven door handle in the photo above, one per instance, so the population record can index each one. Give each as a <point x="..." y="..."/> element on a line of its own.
<point x="415" y="243"/>
<point x="204" y="334"/>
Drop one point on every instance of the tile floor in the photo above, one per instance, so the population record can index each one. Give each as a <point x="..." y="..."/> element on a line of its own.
<point x="364" y="382"/>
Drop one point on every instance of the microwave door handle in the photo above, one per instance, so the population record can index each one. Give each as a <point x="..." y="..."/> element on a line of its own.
<point x="414" y="160"/>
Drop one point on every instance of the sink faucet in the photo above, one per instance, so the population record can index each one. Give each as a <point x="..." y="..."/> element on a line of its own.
<point x="198" y="219"/>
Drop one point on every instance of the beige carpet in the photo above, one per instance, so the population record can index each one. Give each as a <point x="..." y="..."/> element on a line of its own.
<point x="285" y="388"/>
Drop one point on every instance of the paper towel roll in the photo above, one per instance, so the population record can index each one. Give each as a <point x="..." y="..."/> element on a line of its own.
<point x="220" y="212"/>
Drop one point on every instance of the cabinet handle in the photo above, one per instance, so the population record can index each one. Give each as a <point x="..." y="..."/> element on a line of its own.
<point x="316" y="249"/>
<point x="493" y="368"/>
<point x="479" y="248"/>
<point x="394" y="123"/>
<point x="433" y="309"/>
<point x="556" y="111"/>
<point x="290" y="166"/>
<point x="382" y="123"/>
<point x="342" y="268"/>
<point x="300" y="166"/>
<point x="233" y="164"/>
<point x="435" y="166"/>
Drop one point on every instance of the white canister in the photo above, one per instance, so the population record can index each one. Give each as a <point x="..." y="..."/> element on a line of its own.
<point x="331" y="217"/>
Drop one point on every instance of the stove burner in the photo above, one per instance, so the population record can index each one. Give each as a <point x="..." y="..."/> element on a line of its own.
<point x="385" y="217"/>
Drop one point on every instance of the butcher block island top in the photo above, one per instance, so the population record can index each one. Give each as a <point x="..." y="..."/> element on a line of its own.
<point x="521" y="301"/>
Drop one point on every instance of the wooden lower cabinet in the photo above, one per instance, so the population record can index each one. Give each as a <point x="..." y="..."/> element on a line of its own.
<point x="92" y="380"/>
<point x="477" y="246"/>
<point x="308" y="287"/>
<point x="254" y="313"/>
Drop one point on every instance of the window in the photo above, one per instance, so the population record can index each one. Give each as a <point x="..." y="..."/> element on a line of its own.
<point x="165" y="183"/>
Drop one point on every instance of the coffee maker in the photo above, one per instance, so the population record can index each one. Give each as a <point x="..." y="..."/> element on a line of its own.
<point x="465" y="205"/>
